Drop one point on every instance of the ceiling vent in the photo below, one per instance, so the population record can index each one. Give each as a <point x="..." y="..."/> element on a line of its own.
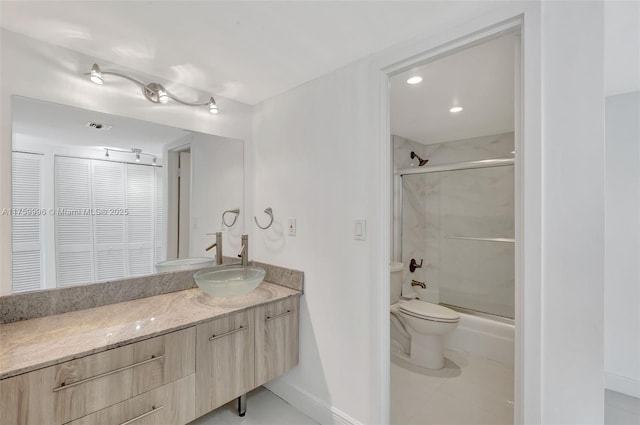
<point x="98" y="126"/>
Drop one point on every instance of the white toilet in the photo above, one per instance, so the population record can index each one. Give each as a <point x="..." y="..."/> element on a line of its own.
<point x="417" y="327"/>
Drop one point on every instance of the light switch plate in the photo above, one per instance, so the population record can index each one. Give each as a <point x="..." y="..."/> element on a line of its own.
<point x="360" y="230"/>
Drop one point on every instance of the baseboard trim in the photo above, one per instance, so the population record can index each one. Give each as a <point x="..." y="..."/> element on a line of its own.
<point x="622" y="384"/>
<point x="309" y="404"/>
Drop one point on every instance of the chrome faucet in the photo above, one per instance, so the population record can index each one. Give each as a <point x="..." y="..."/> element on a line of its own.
<point x="244" y="251"/>
<point x="218" y="246"/>
<point x="420" y="284"/>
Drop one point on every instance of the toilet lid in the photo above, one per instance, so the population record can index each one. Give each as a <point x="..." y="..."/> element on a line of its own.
<point x="429" y="310"/>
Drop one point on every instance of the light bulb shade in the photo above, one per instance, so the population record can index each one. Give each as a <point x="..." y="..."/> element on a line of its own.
<point x="156" y="93"/>
<point x="213" y="108"/>
<point x="137" y="157"/>
<point x="163" y="97"/>
<point x="96" y="74"/>
<point x="106" y="154"/>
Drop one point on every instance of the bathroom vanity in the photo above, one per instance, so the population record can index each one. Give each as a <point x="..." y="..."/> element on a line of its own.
<point x="166" y="359"/>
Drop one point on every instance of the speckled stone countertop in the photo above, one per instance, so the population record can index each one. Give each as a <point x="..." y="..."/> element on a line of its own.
<point x="33" y="344"/>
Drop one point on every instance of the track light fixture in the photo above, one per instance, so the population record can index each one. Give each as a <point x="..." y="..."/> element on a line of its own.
<point x="137" y="151"/>
<point x="154" y="92"/>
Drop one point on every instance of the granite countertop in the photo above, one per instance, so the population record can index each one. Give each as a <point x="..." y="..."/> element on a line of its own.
<point x="33" y="344"/>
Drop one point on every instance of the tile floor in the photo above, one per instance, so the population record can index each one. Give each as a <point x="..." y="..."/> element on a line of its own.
<point x="263" y="408"/>
<point x="621" y="409"/>
<point x="472" y="390"/>
<point x="469" y="390"/>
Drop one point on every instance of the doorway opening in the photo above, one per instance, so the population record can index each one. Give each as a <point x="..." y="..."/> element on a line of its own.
<point x="455" y="243"/>
<point x="179" y="201"/>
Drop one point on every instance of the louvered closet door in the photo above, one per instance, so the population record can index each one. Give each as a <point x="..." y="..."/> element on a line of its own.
<point x="26" y="228"/>
<point x="74" y="232"/>
<point x="140" y="220"/>
<point x="108" y="190"/>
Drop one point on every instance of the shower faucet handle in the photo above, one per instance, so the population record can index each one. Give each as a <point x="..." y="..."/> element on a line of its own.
<point x="413" y="265"/>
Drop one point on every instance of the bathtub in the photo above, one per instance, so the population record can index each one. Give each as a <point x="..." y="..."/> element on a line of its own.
<point x="492" y="338"/>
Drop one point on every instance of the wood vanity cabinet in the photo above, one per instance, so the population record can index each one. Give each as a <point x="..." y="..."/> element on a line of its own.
<point x="169" y="404"/>
<point x="277" y="334"/>
<point x="224" y="360"/>
<point x="166" y="380"/>
<point x="68" y="391"/>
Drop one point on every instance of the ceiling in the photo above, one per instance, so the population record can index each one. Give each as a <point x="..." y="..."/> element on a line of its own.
<point x="250" y="51"/>
<point x="246" y="51"/>
<point x="480" y="79"/>
<point x="66" y="126"/>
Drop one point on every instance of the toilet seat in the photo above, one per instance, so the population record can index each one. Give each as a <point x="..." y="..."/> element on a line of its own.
<point x="428" y="311"/>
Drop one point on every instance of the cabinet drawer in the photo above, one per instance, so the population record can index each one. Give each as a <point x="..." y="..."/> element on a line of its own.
<point x="171" y="404"/>
<point x="224" y="360"/>
<point x="276" y="328"/>
<point x="61" y="393"/>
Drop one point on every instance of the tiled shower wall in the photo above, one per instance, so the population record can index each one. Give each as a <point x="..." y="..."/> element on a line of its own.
<point x="471" y="203"/>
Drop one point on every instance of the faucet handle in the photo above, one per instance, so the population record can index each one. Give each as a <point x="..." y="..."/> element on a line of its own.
<point x="413" y="265"/>
<point x="218" y="241"/>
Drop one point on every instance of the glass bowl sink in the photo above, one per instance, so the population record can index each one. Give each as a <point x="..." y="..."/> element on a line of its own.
<point x="229" y="281"/>
<point x="185" y="264"/>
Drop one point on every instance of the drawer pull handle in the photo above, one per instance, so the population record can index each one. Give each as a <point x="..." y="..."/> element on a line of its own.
<point x="153" y="410"/>
<point x="278" y="315"/>
<point x="241" y="328"/>
<point x="111" y="372"/>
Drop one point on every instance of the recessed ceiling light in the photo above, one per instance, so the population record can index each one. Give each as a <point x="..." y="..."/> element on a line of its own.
<point x="456" y="109"/>
<point x="414" y="80"/>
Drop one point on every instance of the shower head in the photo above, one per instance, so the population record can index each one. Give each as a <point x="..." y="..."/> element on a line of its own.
<point x="422" y="161"/>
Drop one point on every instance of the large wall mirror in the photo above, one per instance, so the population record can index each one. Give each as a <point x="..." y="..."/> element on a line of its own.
<point x="99" y="197"/>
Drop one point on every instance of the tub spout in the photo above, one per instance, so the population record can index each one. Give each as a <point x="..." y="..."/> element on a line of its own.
<point x="420" y="284"/>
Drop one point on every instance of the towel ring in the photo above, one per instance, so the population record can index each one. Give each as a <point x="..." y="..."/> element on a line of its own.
<point x="234" y="211"/>
<point x="269" y="212"/>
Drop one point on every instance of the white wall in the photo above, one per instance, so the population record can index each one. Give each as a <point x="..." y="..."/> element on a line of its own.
<point x="312" y="162"/>
<point x="319" y="157"/>
<point x="622" y="244"/>
<point x="42" y="71"/>
<point x="217" y="185"/>
<point x="573" y="212"/>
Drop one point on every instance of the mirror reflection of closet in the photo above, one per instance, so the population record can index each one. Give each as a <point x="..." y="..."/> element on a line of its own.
<point x="93" y="198"/>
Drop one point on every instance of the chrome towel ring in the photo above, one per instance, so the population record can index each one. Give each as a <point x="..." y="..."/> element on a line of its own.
<point x="236" y="213"/>
<point x="269" y="212"/>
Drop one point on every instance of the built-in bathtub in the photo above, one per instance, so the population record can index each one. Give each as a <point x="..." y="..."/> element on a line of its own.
<point x="488" y="336"/>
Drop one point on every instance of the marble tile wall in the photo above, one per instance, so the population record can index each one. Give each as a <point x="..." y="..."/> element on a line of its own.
<point x="31" y="305"/>
<point x="473" y="203"/>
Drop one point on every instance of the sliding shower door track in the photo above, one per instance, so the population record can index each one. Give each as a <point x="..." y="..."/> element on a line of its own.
<point x="476" y="313"/>
<point x="469" y="165"/>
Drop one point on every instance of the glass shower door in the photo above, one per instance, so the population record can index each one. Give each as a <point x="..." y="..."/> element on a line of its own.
<point x="461" y="223"/>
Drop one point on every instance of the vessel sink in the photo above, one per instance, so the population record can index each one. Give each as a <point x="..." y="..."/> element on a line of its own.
<point x="185" y="264"/>
<point x="229" y="281"/>
<point x="257" y="296"/>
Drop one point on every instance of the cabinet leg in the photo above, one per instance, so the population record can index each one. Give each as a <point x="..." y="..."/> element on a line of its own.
<point x="242" y="404"/>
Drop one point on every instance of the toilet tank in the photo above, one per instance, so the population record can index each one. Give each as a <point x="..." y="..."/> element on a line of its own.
<point x="396" y="282"/>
